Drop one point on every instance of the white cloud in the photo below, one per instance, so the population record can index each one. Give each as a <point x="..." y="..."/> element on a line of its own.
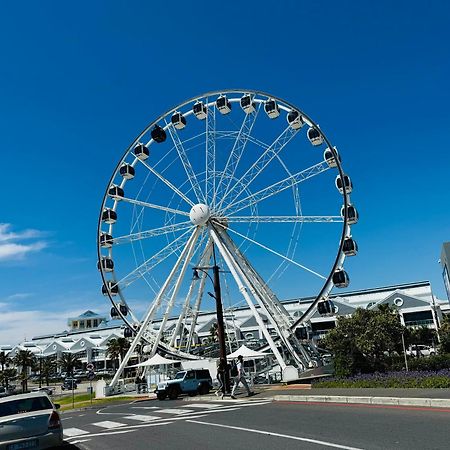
<point x="12" y="247"/>
<point x="16" y="326"/>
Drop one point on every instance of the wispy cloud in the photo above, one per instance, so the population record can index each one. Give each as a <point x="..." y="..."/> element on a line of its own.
<point x="12" y="245"/>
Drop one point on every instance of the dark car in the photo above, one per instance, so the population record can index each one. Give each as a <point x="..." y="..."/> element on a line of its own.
<point x="69" y="384"/>
<point x="191" y="382"/>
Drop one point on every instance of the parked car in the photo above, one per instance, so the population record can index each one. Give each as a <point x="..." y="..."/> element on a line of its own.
<point x="420" y="350"/>
<point x="29" y="421"/>
<point x="192" y="382"/>
<point x="46" y="389"/>
<point x="69" y="384"/>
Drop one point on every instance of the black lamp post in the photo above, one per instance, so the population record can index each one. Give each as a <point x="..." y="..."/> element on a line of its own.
<point x="219" y="314"/>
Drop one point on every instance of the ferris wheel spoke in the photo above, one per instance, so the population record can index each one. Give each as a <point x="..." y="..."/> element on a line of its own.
<point x="277" y="253"/>
<point x="261" y="163"/>
<point x="167" y="182"/>
<point x="210" y="154"/>
<point x="153" y="206"/>
<point x="286" y="219"/>
<point x="185" y="162"/>
<point x="237" y="151"/>
<point x="151" y="233"/>
<point x="176" y="288"/>
<point x="276" y="188"/>
<point x="153" y="261"/>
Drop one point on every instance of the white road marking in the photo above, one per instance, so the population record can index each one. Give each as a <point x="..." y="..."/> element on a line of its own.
<point x="128" y="429"/>
<point x="142" y="418"/>
<point x="144" y="407"/>
<point x="269" y="433"/>
<point x="72" y="432"/>
<point x="108" y="424"/>
<point x="80" y="441"/>
<point x="202" y="405"/>
<point x="106" y="434"/>
<point x="175" y="411"/>
<point x="66" y="418"/>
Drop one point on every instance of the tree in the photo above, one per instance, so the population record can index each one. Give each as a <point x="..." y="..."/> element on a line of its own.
<point x="117" y="348"/>
<point x="444" y="335"/>
<point x="213" y="337"/>
<point x="364" y="341"/>
<point x="24" y="360"/>
<point x="6" y="373"/>
<point x="68" y="362"/>
<point x="47" y="368"/>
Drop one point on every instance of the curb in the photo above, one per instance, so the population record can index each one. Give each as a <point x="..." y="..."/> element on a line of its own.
<point x="396" y="401"/>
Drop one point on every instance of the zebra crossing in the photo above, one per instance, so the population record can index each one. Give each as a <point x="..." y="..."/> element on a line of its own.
<point x="138" y="416"/>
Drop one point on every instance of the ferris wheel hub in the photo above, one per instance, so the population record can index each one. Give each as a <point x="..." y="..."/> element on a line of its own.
<point x="199" y="214"/>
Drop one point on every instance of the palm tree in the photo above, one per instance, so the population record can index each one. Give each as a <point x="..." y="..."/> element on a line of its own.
<point x="7" y="375"/>
<point x="68" y="362"/>
<point x="47" y="368"/>
<point x="25" y="360"/>
<point x="116" y="349"/>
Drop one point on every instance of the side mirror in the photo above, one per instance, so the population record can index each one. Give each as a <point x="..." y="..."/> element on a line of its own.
<point x="57" y="405"/>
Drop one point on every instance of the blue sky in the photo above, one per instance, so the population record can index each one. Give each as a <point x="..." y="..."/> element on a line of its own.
<point x="78" y="84"/>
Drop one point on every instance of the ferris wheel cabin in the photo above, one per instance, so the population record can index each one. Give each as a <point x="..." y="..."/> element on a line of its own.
<point x="123" y="309"/>
<point x="178" y="121"/>
<point x="223" y="105"/>
<point x="127" y="333"/>
<point x="315" y="136"/>
<point x="158" y="134"/>
<point x="106" y="240"/>
<point x="350" y="247"/>
<point x="352" y="214"/>
<point x="105" y="264"/>
<point x="247" y="104"/>
<point x="295" y="120"/>
<point x="341" y="279"/>
<point x="329" y="158"/>
<point x="200" y="110"/>
<point x="127" y="171"/>
<point x="109" y="216"/>
<point x="271" y="108"/>
<point x="110" y="287"/>
<point x="347" y="184"/>
<point x="116" y="192"/>
<point x="141" y="152"/>
<point x="325" y="308"/>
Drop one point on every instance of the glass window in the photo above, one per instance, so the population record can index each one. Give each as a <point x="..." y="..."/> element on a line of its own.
<point x="190" y="375"/>
<point x="179" y="375"/>
<point x="24" y="405"/>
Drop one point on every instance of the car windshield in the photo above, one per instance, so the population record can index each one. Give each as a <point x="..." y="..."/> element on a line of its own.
<point x="24" y="405"/>
<point x="179" y="375"/>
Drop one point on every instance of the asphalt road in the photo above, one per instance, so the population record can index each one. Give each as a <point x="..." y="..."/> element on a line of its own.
<point x="255" y="424"/>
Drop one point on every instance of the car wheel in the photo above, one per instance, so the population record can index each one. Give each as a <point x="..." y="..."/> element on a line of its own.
<point x="161" y="396"/>
<point x="173" y="394"/>
<point x="203" y="389"/>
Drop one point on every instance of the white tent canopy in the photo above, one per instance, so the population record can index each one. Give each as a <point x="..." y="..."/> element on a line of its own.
<point x="247" y="353"/>
<point x="156" y="360"/>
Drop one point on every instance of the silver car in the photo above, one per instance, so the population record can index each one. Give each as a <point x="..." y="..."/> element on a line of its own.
<point x="29" y="421"/>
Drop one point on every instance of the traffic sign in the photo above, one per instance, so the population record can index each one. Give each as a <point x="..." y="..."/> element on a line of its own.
<point x="90" y="375"/>
<point x="90" y="367"/>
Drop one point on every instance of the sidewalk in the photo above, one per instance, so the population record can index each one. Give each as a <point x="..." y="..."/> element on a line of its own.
<point x="435" y="398"/>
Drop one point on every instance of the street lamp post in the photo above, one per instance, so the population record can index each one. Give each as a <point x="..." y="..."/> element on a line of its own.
<point x="220" y="323"/>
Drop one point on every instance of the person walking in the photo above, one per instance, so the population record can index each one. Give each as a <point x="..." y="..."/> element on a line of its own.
<point x="221" y="379"/>
<point x="240" y="378"/>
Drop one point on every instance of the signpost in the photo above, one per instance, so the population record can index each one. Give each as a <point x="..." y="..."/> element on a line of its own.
<point x="90" y="377"/>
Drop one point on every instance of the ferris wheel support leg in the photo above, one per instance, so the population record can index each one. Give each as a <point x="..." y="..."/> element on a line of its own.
<point x="243" y="290"/>
<point x="149" y="315"/>
<point x="196" y="309"/>
<point x="203" y="262"/>
<point x="268" y="302"/>
<point x="175" y="291"/>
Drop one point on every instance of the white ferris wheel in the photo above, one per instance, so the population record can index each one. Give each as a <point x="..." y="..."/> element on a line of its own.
<point x="237" y="178"/>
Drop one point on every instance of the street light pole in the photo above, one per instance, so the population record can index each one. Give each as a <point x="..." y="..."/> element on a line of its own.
<point x="220" y="323"/>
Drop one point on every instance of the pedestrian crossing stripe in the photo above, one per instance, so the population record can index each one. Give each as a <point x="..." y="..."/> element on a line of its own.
<point x="108" y="424"/>
<point x="203" y="405"/>
<point x="175" y="411"/>
<point x="72" y="432"/>
<point x="142" y="417"/>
